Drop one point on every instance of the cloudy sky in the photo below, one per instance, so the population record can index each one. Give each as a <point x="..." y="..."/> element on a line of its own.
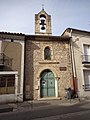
<point x="18" y="15"/>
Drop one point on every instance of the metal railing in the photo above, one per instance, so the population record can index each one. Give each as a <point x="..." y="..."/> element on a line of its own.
<point x="86" y="87"/>
<point x="86" y="58"/>
<point x="1" y="59"/>
<point x="5" y="60"/>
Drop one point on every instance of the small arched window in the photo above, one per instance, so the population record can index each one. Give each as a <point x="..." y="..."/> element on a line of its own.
<point x="47" y="53"/>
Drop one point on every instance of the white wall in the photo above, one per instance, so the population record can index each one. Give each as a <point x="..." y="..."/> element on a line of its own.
<point x="78" y="52"/>
<point x="0" y="46"/>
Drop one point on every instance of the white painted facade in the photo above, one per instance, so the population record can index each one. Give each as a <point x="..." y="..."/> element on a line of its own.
<point x="0" y="45"/>
<point x="80" y="44"/>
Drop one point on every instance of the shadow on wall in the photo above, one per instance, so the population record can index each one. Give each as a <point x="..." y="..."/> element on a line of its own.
<point x="29" y="69"/>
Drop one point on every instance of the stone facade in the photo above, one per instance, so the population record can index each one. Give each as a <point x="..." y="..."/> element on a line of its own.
<point x="60" y="64"/>
<point x="42" y="19"/>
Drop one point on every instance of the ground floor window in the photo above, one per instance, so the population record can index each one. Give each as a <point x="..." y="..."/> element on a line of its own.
<point x="7" y="84"/>
<point x="87" y="79"/>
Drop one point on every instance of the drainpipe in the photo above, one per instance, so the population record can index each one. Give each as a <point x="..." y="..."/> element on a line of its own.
<point x="73" y="65"/>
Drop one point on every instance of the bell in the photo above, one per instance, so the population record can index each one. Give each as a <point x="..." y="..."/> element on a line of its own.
<point x="43" y="23"/>
<point x="43" y="28"/>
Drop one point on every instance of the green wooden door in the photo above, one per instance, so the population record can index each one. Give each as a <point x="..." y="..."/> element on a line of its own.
<point x="47" y="84"/>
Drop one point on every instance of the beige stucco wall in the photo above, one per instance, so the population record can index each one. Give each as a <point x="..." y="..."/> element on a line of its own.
<point x="13" y="48"/>
<point x="13" y="51"/>
<point x="78" y="41"/>
<point x="0" y="45"/>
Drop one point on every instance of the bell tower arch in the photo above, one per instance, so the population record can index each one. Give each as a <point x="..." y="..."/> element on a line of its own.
<point x="43" y="23"/>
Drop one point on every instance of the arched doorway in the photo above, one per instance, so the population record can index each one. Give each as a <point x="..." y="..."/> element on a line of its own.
<point x="47" y="84"/>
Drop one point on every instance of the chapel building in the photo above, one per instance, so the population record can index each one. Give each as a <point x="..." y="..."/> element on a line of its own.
<point x="48" y="68"/>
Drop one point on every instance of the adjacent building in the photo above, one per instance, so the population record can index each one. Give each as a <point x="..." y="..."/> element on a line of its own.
<point x="80" y="44"/>
<point x="11" y="67"/>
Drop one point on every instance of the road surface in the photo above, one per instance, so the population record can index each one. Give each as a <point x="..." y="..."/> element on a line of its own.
<point x="79" y="111"/>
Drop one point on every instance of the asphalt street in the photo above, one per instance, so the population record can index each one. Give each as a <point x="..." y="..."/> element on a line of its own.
<point x="82" y="115"/>
<point x="79" y="111"/>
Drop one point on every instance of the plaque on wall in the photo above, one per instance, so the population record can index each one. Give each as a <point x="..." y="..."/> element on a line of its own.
<point x="63" y="68"/>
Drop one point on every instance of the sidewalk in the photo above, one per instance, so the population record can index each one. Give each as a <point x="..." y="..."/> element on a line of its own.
<point x="33" y="105"/>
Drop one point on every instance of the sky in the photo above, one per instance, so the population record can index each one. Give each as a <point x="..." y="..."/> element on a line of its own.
<point x="18" y="16"/>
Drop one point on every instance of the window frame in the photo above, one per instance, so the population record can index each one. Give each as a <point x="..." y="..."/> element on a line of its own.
<point x="9" y="84"/>
<point x="47" y="53"/>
